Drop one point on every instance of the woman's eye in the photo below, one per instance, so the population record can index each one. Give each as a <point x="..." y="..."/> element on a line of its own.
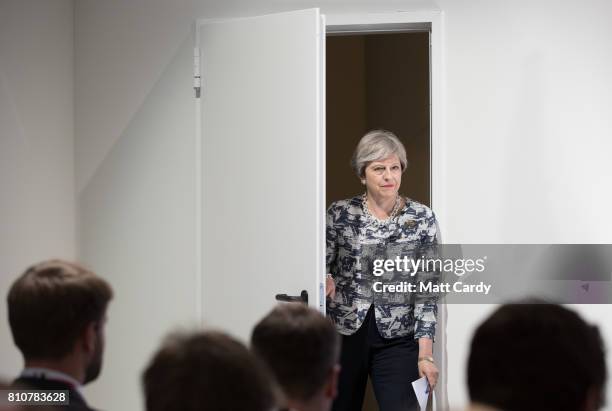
<point x="395" y="168"/>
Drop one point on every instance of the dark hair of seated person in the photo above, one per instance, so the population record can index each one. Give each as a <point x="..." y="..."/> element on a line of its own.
<point x="206" y="371"/>
<point x="300" y="346"/>
<point x="51" y="304"/>
<point x="537" y="356"/>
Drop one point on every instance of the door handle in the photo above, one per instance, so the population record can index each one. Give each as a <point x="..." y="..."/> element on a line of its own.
<point x="302" y="298"/>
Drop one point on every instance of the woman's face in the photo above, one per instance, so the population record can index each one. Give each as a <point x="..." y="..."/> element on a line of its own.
<point x="383" y="177"/>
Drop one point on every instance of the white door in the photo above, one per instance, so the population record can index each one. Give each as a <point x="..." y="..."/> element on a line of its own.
<point x="263" y="229"/>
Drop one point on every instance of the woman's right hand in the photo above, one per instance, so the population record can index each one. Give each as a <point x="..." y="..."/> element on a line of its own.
<point x="330" y="286"/>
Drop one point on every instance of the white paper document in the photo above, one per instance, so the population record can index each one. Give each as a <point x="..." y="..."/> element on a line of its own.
<point x="421" y="389"/>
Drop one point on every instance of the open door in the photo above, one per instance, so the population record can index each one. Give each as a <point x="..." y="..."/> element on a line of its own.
<point x="262" y="138"/>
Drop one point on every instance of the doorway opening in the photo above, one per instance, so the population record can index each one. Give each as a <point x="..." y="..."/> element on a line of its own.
<point x="378" y="80"/>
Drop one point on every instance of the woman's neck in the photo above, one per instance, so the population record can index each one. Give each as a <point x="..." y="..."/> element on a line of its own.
<point x="381" y="207"/>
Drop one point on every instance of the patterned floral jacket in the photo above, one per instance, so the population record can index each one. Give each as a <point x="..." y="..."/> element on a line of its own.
<point x="350" y="231"/>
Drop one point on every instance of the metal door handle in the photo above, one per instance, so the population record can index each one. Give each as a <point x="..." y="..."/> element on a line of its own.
<point x="302" y="298"/>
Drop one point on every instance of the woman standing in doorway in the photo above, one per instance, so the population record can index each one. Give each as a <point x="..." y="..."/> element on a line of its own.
<point x="390" y="342"/>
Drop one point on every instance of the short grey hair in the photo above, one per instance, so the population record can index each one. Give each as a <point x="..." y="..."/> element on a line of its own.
<point x="376" y="145"/>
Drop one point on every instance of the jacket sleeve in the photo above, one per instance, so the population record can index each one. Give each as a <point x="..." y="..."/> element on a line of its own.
<point x="426" y="305"/>
<point x="331" y="240"/>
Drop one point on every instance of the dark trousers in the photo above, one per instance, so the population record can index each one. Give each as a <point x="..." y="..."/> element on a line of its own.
<point x="391" y="364"/>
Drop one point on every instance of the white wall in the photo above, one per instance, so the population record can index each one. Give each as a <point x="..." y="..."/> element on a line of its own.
<point x="528" y="131"/>
<point x="121" y="50"/>
<point x="137" y="227"/>
<point x="528" y="125"/>
<point x="37" y="207"/>
<point x="527" y="100"/>
<point x="135" y="162"/>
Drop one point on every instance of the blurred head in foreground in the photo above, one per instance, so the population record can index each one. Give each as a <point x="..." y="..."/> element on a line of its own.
<point x="57" y="313"/>
<point x="206" y="371"/>
<point x="536" y="356"/>
<point x="301" y="349"/>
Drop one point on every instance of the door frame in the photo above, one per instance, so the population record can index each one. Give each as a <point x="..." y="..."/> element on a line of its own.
<point x="432" y="22"/>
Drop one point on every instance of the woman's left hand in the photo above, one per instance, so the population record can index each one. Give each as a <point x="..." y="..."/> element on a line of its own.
<point x="429" y="370"/>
